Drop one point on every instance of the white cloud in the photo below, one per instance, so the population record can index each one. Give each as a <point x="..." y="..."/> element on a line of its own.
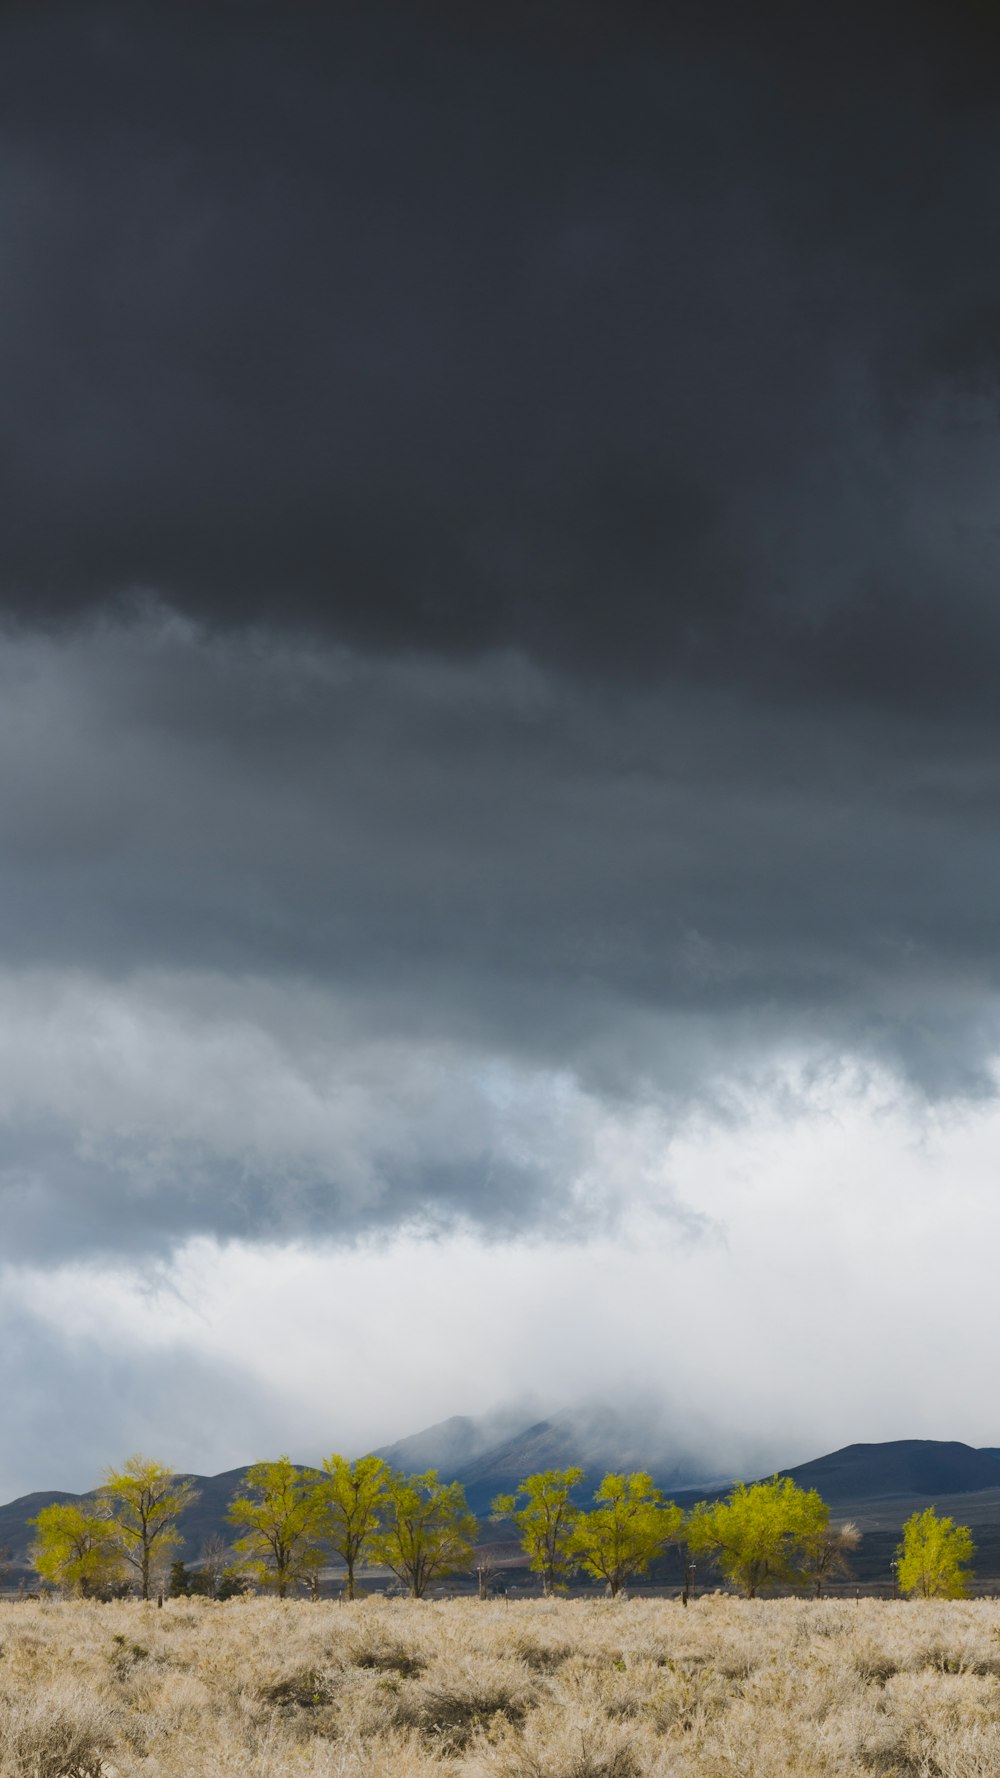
<point x="836" y="1295"/>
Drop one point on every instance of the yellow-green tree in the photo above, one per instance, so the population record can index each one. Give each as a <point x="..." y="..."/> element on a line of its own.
<point x="349" y="1498"/>
<point x="143" y="1501"/>
<point x="759" y="1534"/>
<point x="277" y="1512"/>
<point x="932" y="1557"/>
<point x="76" y="1549"/>
<point x="627" y="1529"/>
<point x="426" y="1530"/>
<point x="546" y="1518"/>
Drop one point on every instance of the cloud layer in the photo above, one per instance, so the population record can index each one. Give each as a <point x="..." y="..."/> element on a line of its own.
<point x="498" y="638"/>
<point x="303" y="941"/>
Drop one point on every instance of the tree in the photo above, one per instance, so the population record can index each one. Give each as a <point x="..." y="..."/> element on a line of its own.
<point x="180" y="1583"/>
<point x="143" y="1501"/>
<point x="546" y="1521"/>
<point x="349" y="1498"/>
<point x="486" y="1568"/>
<point x="826" y="1549"/>
<point x="759" y="1534"/>
<point x="626" y="1530"/>
<point x="426" y="1530"/>
<point x="277" y="1514"/>
<point x="931" y="1557"/>
<point x="213" y="1562"/>
<point x="76" y="1550"/>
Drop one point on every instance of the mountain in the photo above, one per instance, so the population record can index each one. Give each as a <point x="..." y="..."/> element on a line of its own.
<point x="16" y="1534"/>
<point x="594" y="1439"/>
<point x="207" y="1517"/>
<point x="451" y="1446"/>
<point x="917" y="1468"/>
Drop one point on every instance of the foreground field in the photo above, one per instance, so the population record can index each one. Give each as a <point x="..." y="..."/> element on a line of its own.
<point x="535" y="1690"/>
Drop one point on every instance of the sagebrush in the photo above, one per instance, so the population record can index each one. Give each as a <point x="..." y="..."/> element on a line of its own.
<point x="537" y="1689"/>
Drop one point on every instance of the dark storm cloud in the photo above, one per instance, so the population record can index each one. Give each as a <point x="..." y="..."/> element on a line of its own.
<point x="499" y="560"/>
<point x="647" y="345"/>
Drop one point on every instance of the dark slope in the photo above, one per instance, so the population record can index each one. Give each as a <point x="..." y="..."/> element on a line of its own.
<point x="16" y="1534"/>
<point x="912" y="1467"/>
<point x="207" y="1517"/>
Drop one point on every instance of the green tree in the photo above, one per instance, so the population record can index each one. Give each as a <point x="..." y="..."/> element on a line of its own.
<point x="932" y="1557"/>
<point x="277" y="1513"/>
<point x="349" y="1498"/>
<point x="825" y="1550"/>
<point x="547" y="1520"/>
<point x="179" y="1586"/>
<point x="626" y="1530"/>
<point x="426" y="1530"/>
<point x="759" y="1534"/>
<point x="76" y="1549"/>
<point x="143" y="1501"/>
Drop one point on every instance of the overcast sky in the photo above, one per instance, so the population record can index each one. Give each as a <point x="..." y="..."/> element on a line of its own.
<point x="499" y="729"/>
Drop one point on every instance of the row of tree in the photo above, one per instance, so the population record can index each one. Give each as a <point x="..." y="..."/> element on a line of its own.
<point x="292" y="1522"/>
<point x="761" y="1536"/>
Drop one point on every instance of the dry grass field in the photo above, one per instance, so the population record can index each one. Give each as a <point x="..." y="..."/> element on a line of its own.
<point x="532" y="1690"/>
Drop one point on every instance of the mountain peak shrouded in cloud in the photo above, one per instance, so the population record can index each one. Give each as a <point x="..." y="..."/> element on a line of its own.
<point x="498" y="741"/>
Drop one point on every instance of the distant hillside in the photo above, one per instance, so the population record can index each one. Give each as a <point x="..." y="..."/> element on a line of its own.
<point x="910" y="1466"/>
<point x="206" y="1517"/>
<point x="15" y="1532"/>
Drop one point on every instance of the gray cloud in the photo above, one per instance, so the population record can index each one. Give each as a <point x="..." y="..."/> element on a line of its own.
<point x="71" y="1398"/>
<point x="307" y="941"/>
<point x="499" y="622"/>
<point x="676" y="377"/>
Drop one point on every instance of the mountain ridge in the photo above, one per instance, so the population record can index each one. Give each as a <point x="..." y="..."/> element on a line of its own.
<point x="881" y="1480"/>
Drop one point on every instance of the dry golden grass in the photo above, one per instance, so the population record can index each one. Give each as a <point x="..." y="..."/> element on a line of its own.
<point x="628" y="1689"/>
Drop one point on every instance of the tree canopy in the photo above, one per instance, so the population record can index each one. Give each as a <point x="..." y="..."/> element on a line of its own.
<point x="77" y="1550"/>
<point x="932" y="1557"/>
<point x="349" y="1498"/>
<point x="627" y="1529"/>
<point x="143" y="1501"/>
<point x="426" y="1530"/>
<point x="759" y="1534"/>
<point x="278" y="1514"/>
<point x="547" y="1520"/>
